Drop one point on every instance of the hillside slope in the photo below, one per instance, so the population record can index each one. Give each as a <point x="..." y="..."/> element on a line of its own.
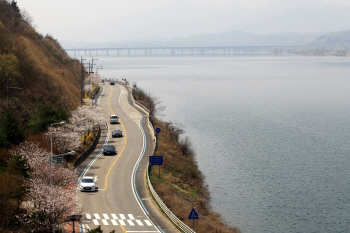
<point x="36" y="63"/>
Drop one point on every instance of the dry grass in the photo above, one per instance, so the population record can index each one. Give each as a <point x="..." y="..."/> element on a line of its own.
<point x="44" y="69"/>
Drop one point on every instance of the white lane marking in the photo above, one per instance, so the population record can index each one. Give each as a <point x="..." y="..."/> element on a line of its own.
<point x="114" y="216"/>
<point x="97" y="216"/>
<point x="131" y="217"/>
<point x="114" y="222"/>
<point x="105" y="216"/>
<point x="130" y="222"/>
<point x="148" y="223"/>
<point x="139" y="222"/>
<point x="121" y="222"/>
<point x="88" y="216"/>
<point x="122" y="216"/>
<point x="143" y="208"/>
<point x="105" y="221"/>
<point x="95" y="222"/>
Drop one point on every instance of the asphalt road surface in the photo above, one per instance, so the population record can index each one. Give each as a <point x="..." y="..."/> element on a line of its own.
<point x="122" y="202"/>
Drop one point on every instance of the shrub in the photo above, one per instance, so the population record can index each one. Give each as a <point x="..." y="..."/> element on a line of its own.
<point x="44" y="116"/>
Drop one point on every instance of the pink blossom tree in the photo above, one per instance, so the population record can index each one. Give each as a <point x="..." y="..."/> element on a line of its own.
<point x="82" y="121"/>
<point x="46" y="206"/>
<point x="39" y="162"/>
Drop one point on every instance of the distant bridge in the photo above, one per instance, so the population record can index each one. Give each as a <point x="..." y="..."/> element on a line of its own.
<point x="179" y="50"/>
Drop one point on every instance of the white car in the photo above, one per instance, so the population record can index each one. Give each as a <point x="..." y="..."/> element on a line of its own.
<point x="113" y="119"/>
<point x="88" y="184"/>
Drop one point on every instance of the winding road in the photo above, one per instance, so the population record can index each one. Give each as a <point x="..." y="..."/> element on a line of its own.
<point x="122" y="202"/>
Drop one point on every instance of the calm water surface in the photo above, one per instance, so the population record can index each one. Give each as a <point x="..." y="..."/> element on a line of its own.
<point x="271" y="134"/>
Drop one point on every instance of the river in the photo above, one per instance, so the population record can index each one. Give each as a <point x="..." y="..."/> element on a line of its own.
<point x="271" y="133"/>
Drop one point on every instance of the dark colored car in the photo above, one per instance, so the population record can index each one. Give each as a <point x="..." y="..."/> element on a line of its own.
<point x="109" y="150"/>
<point x="117" y="133"/>
<point x="112" y="83"/>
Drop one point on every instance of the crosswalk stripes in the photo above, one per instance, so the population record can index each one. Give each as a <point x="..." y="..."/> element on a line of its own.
<point x="105" y="222"/>
<point x="114" y="219"/>
<point x="139" y="222"/>
<point x="148" y="223"/>
<point x="114" y="222"/>
<point x="130" y="222"/>
<point x="122" y="222"/>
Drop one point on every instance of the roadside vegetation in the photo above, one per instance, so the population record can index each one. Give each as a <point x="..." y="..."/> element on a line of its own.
<point x="181" y="185"/>
<point x="44" y="88"/>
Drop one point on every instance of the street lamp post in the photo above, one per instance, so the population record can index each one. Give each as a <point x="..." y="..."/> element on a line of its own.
<point x="60" y="123"/>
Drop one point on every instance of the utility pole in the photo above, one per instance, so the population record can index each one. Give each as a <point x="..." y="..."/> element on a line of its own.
<point x="101" y="67"/>
<point x="82" y="79"/>
<point x="8" y="91"/>
<point x="92" y="63"/>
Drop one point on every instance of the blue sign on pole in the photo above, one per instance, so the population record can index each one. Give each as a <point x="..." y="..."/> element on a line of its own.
<point x="158" y="130"/>
<point x="156" y="160"/>
<point x="193" y="215"/>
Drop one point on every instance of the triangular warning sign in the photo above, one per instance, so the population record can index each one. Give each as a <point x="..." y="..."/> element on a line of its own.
<point x="193" y="215"/>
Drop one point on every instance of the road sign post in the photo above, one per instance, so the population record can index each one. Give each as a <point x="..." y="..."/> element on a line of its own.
<point x="193" y="215"/>
<point x="156" y="160"/>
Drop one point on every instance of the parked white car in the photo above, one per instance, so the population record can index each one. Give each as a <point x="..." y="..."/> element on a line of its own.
<point x="88" y="184"/>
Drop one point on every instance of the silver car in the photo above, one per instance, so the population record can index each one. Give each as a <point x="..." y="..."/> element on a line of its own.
<point x="113" y="119"/>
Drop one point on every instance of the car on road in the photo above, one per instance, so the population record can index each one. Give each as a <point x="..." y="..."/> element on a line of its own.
<point x="117" y="133"/>
<point x="88" y="184"/>
<point x="109" y="150"/>
<point x="111" y="83"/>
<point x="113" y="119"/>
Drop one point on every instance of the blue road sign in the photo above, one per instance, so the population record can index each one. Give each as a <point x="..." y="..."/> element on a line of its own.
<point x="156" y="160"/>
<point x="158" y="130"/>
<point x="193" y="215"/>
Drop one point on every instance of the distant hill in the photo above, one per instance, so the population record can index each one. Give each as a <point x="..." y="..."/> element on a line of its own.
<point x="341" y="40"/>
<point x="182" y="18"/>
<point x="232" y="38"/>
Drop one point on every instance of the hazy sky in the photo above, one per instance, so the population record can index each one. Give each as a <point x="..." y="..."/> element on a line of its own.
<point x="52" y="16"/>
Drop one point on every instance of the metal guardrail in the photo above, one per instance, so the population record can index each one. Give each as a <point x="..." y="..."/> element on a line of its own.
<point x="161" y="204"/>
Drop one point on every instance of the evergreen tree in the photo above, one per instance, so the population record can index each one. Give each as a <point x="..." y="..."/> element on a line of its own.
<point x="10" y="132"/>
<point x="14" y="6"/>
